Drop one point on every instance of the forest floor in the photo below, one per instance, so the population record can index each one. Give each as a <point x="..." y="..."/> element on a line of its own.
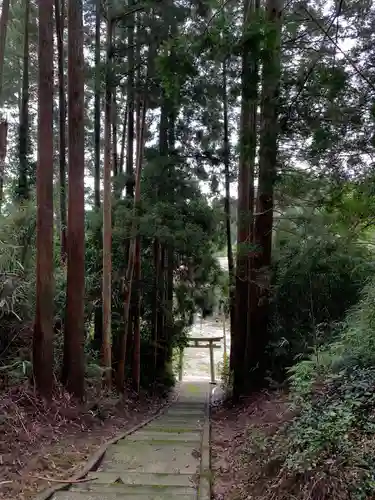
<point x="39" y="441"/>
<point x="239" y="474"/>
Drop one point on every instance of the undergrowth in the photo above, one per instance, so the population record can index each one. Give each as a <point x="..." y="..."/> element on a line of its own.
<point x="327" y="449"/>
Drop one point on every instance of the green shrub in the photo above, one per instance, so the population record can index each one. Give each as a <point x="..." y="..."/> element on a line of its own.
<point x="225" y="374"/>
<point x="333" y="432"/>
<point x="315" y="281"/>
<point x="354" y="346"/>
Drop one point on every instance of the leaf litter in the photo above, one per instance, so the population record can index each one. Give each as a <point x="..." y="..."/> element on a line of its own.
<point x="41" y="441"/>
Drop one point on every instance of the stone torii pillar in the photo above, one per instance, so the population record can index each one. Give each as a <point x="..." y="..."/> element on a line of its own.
<point x="210" y="343"/>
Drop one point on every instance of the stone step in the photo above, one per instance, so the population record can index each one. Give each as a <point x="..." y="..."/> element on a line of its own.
<point x="185" y="410"/>
<point x="162" y="426"/>
<point x="147" y="457"/>
<point x="181" y="416"/>
<point x="142" y="446"/>
<point x="156" y="436"/>
<point x="135" y="478"/>
<point x="161" y="461"/>
<point x="152" y="495"/>
<point x="178" y="420"/>
<point x="133" y="490"/>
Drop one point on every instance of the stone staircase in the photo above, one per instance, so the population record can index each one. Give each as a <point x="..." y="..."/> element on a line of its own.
<point x="169" y="458"/>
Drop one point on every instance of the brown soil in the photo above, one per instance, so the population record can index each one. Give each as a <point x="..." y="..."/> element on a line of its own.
<point x="54" y="441"/>
<point x="238" y="474"/>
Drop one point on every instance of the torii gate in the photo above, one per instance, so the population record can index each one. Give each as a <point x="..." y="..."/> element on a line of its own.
<point x="198" y="342"/>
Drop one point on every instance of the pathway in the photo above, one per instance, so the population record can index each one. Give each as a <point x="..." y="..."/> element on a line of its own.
<point x="169" y="458"/>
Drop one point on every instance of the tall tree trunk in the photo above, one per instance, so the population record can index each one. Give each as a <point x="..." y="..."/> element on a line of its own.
<point x="73" y="366"/>
<point x="130" y="102"/>
<point x="23" y="187"/>
<point x="98" y="314"/>
<point x="107" y="219"/>
<point x="4" y="18"/>
<point x="248" y="142"/>
<point x="169" y="265"/>
<point x="253" y="97"/>
<point x="267" y="175"/>
<point x="123" y="140"/>
<point x="114" y="131"/>
<point x="43" y="327"/>
<point x="227" y="205"/>
<point x="132" y="256"/>
<point x="137" y="316"/>
<point x="141" y="115"/>
<point x="136" y="295"/>
<point x="129" y="185"/>
<point x="156" y="303"/>
<point x="3" y="124"/>
<point x="97" y="106"/>
<point x="160" y="255"/>
<point x="59" y="20"/>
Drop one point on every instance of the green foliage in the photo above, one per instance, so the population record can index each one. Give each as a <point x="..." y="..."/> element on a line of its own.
<point x="17" y="245"/>
<point x="317" y="275"/>
<point x="333" y="431"/>
<point x="225" y="374"/>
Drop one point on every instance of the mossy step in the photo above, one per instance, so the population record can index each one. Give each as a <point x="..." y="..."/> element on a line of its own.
<point x="182" y="416"/>
<point x="126" y="490"/>
<point x="148" y="457"/>
<point x="158" y="436"/>
<point x="163" y="440"/>
<point x="136" y="478"/>
<point x="80" y="495"/>
<point x="176" y="422"/>
<point x="174" y="428"/>
<point x="188" y="405"/>
<point x="179" y="411"/>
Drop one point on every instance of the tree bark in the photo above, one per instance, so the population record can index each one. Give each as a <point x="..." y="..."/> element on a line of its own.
<point x="160" y="253"/>
<point x="132" y="256"/>
<point x="253" y="97"/>
<point x="59" y="20"/>
<point x="3" y="153"/>
<point x="248" y="141"/>
<point x="156" y="301"/>
<point x="129" y="188"/>
<point x="114" y="132"/>
<point x="227" y="205"/>
<point x="98" y="314"/>
<point x="170" y="265"/>
<point x="130" y="102"/>
<point x="137" y="316"/>
<point x="107" y="220"/>
<point x="141" y="115"/>
<point x="123" y="140"/>
<point x="136" y="297"/>
<point x="4" y="18"/>
<point x="73" y="365"/>
<point x="43" y="327"/>
<point x="23" y="187"/>
<point x="97" y="106"/>
<point x="267" y="176"/>
<point x="169" y="255"/>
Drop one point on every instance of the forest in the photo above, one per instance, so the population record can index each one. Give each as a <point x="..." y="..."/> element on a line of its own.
<point x="139" y="141"/>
